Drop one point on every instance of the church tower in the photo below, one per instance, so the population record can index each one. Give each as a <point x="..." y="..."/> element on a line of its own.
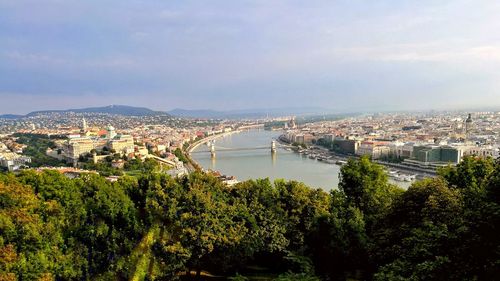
<point x="111" y="132"/>
<point x="84" y="124"/>
<point x="83" y="129"/>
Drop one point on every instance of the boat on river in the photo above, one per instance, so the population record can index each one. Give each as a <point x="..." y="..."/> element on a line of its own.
<point x="404" y="177"/>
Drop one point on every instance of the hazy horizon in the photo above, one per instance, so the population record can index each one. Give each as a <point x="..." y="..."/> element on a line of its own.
<point x="224" y="55"/>
<point x="298" y="111"/>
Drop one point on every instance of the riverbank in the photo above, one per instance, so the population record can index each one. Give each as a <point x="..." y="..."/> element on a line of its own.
<point x="323" y="154"/>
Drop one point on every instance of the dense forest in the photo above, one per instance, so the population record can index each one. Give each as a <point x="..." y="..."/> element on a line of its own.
<point x="154" y="227"/>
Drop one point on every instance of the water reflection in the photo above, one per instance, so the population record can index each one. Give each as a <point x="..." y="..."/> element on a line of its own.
<point x="213" y="162"/>
<point x="273" y="159"/>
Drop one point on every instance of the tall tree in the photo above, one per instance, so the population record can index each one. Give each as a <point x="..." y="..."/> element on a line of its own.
<point x="419" y="239"/>
<point x="366" y="187"/>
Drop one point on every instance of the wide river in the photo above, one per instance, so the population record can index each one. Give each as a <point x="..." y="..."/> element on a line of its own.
<point x="261" y="163"/>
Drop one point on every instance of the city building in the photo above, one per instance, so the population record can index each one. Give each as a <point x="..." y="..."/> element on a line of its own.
<point x="77" y="146"/>
<point x="401" y="149"/>
<point x="13" y="161"/>
<point x="482" y="151"/>
<point x="346" y="146"/>
<point x="122" y="144"/>
<point x="374" y="149"/>
<point x="291" y="123"/>
<point x="437" y="154"/>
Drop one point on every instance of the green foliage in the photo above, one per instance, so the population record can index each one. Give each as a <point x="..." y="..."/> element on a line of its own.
<point x="471" y="174"/>
<point x="36" y="147"/>
<point x="66" y="228"/>
<point x="155" y="227"/>
<point x="180" y="155"/>
<point x="477" y="180"/>
<point x="238" y="277"/>
<point x="422" y="232"/>
<point x="444" y="228"/>
<point x="297" y="277"/>
<point x="104" y="168"/>
<point x="147" y="166"/>
<point x="301" y="205"/>
<point x="338" y="240"/>
<point x="365" y="185"/>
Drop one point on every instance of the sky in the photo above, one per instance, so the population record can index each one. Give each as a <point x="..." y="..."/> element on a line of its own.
<point x="348" y="55"/>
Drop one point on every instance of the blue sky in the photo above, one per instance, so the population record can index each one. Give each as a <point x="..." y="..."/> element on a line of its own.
<point x="349" y="55"/>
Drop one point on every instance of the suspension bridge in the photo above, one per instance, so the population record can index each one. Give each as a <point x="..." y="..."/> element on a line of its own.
<point x="213" y="148"/>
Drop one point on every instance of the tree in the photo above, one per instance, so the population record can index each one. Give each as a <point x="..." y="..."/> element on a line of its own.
<point x="470" y="174"/>
<point x="32" y="245"/>
<point x="207" y="223"/>
<point x="337" y="243"/>
<point x="56" y="228"/>
<point x="419" y="239"/>
<point x="477" y="180"/>
<point x="301" y="205"/>
<point x="366" y="187"/>
<point x="180" y="155"/>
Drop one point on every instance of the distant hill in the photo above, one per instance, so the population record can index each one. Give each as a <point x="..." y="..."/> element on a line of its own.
<point x="110" y="109"/>
<point x="247" y="113"/>
<point x="186" y="113"/>
<point x="11" y="116"/>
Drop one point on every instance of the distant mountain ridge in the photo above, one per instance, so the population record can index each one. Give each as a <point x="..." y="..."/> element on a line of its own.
<point x="126" y="110"/>
<point x="110" y="109"/>
<point x="246" y="113"/>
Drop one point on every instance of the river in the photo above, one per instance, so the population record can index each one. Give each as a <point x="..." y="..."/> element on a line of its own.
<point x="261" y="163"/>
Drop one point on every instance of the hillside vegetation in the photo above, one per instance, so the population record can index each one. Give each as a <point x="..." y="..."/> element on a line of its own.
<point x="155" y="227"/>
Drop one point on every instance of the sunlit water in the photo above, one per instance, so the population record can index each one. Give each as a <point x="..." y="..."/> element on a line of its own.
<point x="260" y="163"/>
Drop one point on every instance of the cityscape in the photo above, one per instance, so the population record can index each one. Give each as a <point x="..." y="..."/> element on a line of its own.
<point x="415" y="143"/>
<point x="249" y="140"/>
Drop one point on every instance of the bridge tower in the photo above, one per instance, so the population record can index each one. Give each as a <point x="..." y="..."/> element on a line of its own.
<point x="273" y="147"/>
<point x="212" y="149"/>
